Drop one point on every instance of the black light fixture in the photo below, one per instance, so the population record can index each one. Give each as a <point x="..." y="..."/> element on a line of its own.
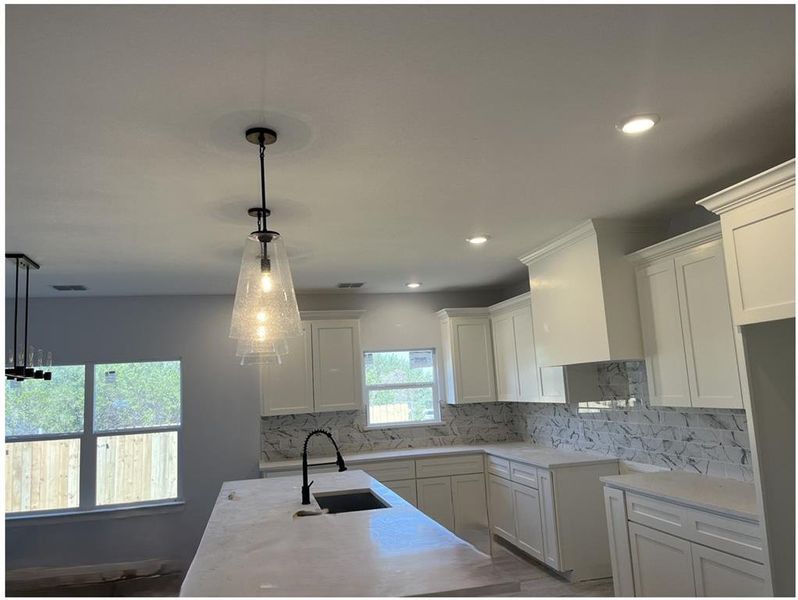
<point x="265" y="312"/>
<point x="28" y="363"/>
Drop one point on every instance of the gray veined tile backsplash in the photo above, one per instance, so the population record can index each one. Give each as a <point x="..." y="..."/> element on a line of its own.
<point x="622" y="424"/>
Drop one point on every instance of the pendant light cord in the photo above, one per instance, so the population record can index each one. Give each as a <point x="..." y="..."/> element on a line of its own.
<point x="262" y="146"/>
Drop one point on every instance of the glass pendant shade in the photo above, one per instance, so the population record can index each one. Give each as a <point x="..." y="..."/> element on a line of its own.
<point x="261" y="353"/>
<point x="265" y="309"/>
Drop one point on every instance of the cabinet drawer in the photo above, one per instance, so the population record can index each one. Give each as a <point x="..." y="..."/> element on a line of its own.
<point x="525" y="474"/>
<point x="741" y="538"/>
<point x="498" y="466"/>
<point x="664" y="516"/>
<point x="449" y="465"/>
<point x="389" y="470"/>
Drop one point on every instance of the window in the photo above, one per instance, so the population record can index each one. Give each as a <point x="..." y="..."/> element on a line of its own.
<point x="401" y="387"/>
<point x="126" y="454"/>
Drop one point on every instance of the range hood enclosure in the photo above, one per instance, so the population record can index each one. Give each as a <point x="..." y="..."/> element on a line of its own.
<point x="584" y="298"/>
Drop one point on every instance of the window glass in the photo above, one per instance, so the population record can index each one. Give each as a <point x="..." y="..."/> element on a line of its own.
<point x="415" y="366"/>
<point x="401" y="405"/>
<point x="38" y="407"/>
<point x="136" y="395"/>
<point x="42" y="475"/>
<point x="136" y="467"/>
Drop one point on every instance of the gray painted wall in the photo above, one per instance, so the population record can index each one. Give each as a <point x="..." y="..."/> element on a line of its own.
<point x="221" y="438"/>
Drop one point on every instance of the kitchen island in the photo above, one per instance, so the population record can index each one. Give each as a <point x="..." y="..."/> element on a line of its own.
<point x="254" y="545"/>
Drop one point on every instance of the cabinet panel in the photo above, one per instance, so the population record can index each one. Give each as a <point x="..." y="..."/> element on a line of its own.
<point x="528" y="385"/>
<point x="502" y="515"/>
<point x="504" y="352"/>
<point x="449" y="465"/>
<point x="336" y="365"/>
<point x="524" y="474"/>
<point x="471" y="510"/>
<point x="498" y="466"/>
<point x="389" y="470"/>
<point x="759" y="242"/>
<point x="406" y="489"/>
<point x="663" y="342"/>
<point x="620" y="555"/>
<point x="552" y="385"/>
<point x="551" y="546"/>
<point x="662" y="563"/>
<point x="287" y="388"/>
<point x="435" y="499"/>
<point x="734" y="536"/>
<point x="657" y="513"/>
<point x="528" y="523"/>
<point x="707" y="327"/>
<point x="718" y="574"/>
<point x="472" y="354"/>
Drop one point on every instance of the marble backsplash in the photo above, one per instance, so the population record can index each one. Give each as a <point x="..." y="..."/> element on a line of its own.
<point x="622" y="424"/>
<point x="282" y="437"/>
<point x="709" y="441"/>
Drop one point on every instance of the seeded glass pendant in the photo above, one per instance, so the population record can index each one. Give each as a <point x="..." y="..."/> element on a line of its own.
<point x="265" y="312"/>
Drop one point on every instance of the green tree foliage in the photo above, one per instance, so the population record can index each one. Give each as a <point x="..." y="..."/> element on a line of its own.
<point x="397" y="368"/>
<point x="35" y="406"/>
<point x="130" y="395"/>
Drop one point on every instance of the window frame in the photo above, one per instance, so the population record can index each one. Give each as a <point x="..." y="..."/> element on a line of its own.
<point x="434" y="385"/>
<point x="87" y="497"/>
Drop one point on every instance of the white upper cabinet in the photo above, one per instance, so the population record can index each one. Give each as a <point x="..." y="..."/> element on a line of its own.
<point x="690" y="346"/>
<point x="584" y="302"/>
<point x="758" y="221"/>
<point x="467" y="355"/>
<point x="322" y="370"/>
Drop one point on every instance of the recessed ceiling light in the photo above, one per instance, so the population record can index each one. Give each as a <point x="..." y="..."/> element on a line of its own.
<point x="637" y="124"/>
<point x="413" y="284"/>
<point x="477" y="239"/>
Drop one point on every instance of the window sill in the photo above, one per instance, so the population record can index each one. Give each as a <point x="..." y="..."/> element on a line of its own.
<point x="403" y="425"/>
<point x="110" y="512"/>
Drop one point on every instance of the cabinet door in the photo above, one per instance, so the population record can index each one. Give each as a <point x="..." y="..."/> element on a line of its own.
<point x="504" y="354"/>
<point x="470" y="509"/>
<point x="502" y="516"/>
<point x="759" y="243"/>
<point x="707" y="327"/>
<point x="435" y="499"/>
<point x="528" y="524"/>
<point x="528" y="386"/>
<point x="548" y="517"/>
<point x="618" y="534"/>
<point x="662" y="563"/>
<point x="336" y="365"/>
<point x="472" y="355"/>
<point x="406" y="489"/>
<point x="663" y="343"/>
<point x="552" y="385"/>
<point x="287" y="388"/>
<point x="718" y="574"/>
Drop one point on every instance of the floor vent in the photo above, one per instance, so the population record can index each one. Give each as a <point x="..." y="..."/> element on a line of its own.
<point x="70" y="288"/>
<point x="346" y="286"/>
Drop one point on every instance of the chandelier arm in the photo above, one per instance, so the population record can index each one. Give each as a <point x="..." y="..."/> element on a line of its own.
<point x="16" y="310"/>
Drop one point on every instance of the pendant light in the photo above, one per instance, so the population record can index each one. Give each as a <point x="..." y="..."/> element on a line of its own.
<point x="27" y="363"/>
<point x="265" y="312"/>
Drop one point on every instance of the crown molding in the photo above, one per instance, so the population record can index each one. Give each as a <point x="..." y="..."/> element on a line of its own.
<point x="447" y="313"/>
<point x="766" y="183"/>
<point x="315" y="315"/>
<point x="685" y="241"/>
<point x="511" y="303"/>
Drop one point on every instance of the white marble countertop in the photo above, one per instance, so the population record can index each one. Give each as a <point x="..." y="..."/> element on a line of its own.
<point x="254" y="546"/>
<point x="547" y="458"/>
<point x="726" y="496"/>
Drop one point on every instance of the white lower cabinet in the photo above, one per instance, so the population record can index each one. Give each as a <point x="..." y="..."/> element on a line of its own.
<point x="528" y="523"/>
<point x="435" y="499"/>
<point x="470" y="509"/>
<point x="551" y="544"/>
<point x="405" y="489"/>
<point x="720" y="574"/>
<point x="502" y="513"/>
<point x="661" y="563"/>
<point x="668" y="556"/>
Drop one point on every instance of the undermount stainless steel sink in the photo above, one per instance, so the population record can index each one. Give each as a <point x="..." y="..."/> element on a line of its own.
<point x="349" y="501"/>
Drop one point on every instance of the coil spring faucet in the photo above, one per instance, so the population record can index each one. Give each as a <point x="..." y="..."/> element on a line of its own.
<point x="339" y="460"/>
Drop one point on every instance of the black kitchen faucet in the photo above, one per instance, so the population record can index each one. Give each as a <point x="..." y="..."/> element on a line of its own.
<point x="339" y="460"/>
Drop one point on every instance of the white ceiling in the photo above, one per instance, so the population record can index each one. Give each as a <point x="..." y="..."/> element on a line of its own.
<point x="403" y="129"/>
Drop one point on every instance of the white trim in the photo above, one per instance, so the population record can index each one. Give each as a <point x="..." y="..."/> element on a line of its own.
<point x="448" y="313"/>
<point x="520" y="301"/>
<point x="110" y="511"/>
<point x="675" y="245"/>
<point x="341" y="315"/>
<point x="403" y="424"/>
<point x="751" y="189"/>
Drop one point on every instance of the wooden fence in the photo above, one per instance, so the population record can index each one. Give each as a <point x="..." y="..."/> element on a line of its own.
<point x="130" y="468"/>
<point x="389" y="413"/>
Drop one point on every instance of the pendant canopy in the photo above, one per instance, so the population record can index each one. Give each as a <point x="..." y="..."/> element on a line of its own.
<point x="265" y="311"/>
